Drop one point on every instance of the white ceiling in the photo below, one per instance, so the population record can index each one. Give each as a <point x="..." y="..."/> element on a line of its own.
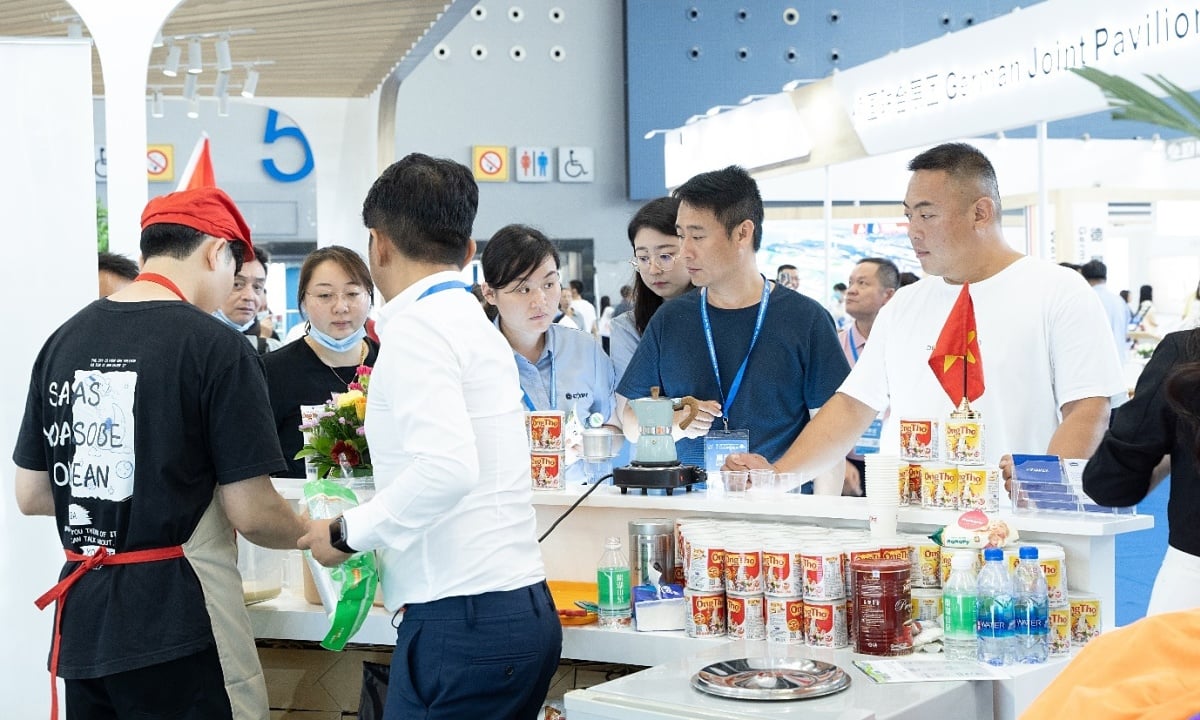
<point x="319" y="48"/>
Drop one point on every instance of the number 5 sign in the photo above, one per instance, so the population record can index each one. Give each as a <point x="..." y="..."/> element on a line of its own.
<point x="273" y="133"/>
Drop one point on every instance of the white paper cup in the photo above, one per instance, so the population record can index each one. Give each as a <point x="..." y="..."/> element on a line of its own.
<point x="882" y="518"/>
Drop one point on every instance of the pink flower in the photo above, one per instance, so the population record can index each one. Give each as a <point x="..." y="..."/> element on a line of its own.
<point x="360" y="431"/>
<point x="354" y="386"/>
<point x="364" y="370"/>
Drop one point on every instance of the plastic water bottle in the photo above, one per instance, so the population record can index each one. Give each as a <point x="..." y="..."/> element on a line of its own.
<point x="959" y="596"/>
<point x="1032" y="611"/>
<point x="612" y="577"/>
<point x="994" y="610"/>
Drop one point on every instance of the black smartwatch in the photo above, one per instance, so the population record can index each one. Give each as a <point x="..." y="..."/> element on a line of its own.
<point x="337" y="535"/>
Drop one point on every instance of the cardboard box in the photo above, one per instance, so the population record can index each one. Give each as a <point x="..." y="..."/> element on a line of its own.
<point x="303" y="677"/>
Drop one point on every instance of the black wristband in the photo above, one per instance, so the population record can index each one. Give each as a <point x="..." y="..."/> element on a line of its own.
<point x="337" y="535"/>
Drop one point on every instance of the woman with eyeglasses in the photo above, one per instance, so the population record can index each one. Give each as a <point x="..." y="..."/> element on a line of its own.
<point x="334" y="296"/>
<point x="561" y="368"/>
<point x="659" y="277"/>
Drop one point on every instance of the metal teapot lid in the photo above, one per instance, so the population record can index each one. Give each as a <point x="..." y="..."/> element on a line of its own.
<point x="651" y="526"/>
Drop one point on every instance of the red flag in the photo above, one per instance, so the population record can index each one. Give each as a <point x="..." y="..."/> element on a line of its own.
<point x="199" y="170"/>
<point x="955" y="360"/>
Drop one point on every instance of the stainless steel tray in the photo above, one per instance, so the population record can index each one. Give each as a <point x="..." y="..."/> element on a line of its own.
<point x="771" y="679"/>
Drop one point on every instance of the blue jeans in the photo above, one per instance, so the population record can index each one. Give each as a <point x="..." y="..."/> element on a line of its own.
<point x="483" y="656"/>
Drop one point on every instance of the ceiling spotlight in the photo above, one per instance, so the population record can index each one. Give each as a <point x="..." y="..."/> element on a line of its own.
<point x="223" y="106"/>
<point x="156" y="104"/>
<point x="224" y="59"/>
<point x="158" y="40"/>
<point x="221" y="89"/>
<point x="195" y="57"/>
<point x="251" y="84"/>
<point x="171" y="68"/>
<point x="194" y="108"/>
<point x="189" y="87"/>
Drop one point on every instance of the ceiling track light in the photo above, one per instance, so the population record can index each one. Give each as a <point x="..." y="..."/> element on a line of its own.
<point x="171" y="68"/>
<point x="221" y="89"/>
<point x="224" y="59"/>
<point x="189" y="87"/>
<point x="195" y="57"/>
<point x="158" y="40"/>
<point x="156" y="104"/>
<point x="194" y="108"/>
<point x="251" y="85"/>
<point x="223" y="106"/>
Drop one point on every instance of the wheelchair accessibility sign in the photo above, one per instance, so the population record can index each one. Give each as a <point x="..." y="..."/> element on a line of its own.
<point x="576" y="165"/>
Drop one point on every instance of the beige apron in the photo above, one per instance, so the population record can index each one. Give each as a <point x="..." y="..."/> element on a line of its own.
<point x="212" y="552"/>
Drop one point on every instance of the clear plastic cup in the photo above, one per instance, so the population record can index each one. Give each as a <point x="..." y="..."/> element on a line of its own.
<point x="735" y="482"/>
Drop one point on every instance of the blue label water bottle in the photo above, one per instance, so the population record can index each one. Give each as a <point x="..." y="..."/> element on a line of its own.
<point x="1032" y="608"/>
<point x="994" y="610"/>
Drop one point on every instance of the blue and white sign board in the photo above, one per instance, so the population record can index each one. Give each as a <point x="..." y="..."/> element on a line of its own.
<point x="576" y="164"/>
<point x="534" y="164"/>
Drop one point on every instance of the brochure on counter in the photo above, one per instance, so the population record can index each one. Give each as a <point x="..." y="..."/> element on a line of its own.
<point x="907" y="669"/>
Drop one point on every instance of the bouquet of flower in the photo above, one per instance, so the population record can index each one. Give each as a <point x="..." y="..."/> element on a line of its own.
<point x="335" y="442"/>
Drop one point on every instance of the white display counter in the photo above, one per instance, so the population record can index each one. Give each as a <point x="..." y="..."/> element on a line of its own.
<point x="571" y="551"/>
<point x="665" y="691"/>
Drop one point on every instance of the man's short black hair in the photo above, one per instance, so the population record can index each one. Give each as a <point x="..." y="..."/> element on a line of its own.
<point x="577" y="286"/>
<point x="426" y="207"/>
<point x="730" y="194"/>
<point x="885" y="270"/>
<point x="840" y="287"/>
<point x="1094" y="270"/>
<point x="966" y="164"/>
<point x="179" y="241"/>
<point x="262" y="256"/>
<point x="118" y="265"/>
<point x="783" y="267"/>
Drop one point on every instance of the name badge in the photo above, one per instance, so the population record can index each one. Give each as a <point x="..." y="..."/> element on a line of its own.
<point x="719" y="444"/>
<point x="869" y="442"/>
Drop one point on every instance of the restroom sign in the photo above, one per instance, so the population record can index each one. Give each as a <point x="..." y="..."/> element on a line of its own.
<point x="490" y="163"/>
<point x="534" y="164"/>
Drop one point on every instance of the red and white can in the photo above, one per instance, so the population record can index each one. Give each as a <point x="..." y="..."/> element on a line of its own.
<point x="825" y="623"/>
<point x="746" y="617"/>
<point x="822" y="564"/>
<point x="785" y="620"/>
<point x="546" y="431"/>
<point x="781" y="563"/>
<point x="546" y="470"/>
<point x="705" y="613"/>
<point x="743" y="566"/>
<point x="919" y="439"/>
<point x="705" y="566"/>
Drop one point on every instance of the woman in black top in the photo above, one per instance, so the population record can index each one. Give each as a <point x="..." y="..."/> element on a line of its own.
<point x="1160" y="420"/>
<point x="334" y="295"/>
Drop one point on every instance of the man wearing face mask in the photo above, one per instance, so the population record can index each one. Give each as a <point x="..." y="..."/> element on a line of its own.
<point x="240" y="309"/>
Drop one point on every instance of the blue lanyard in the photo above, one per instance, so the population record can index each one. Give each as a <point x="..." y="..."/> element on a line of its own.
<point x="712" y="350"/>
<point x="448" y="285"/>
<point x="853" y="345"/>
<point x="553" y="384"/>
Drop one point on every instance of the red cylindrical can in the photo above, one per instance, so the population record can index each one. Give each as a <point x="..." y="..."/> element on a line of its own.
<point x="882" y="606"/>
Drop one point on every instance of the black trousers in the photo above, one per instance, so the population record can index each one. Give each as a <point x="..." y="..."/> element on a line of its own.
<point x="189" y="688"/>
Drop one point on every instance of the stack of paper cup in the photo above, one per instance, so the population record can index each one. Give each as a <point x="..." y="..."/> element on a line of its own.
<point x="883" y="494"/>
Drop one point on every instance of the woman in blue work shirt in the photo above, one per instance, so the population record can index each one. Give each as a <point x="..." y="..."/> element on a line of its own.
<point x="560" y="368"/>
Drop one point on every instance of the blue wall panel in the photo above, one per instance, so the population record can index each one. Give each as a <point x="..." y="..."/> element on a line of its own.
<point x="744" y="48"/>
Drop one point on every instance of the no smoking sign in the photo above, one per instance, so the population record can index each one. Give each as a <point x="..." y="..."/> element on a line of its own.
<point x="489" y="163"/>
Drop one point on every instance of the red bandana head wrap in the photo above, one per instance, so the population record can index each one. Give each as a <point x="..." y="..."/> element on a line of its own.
<point x="207" y="209"/>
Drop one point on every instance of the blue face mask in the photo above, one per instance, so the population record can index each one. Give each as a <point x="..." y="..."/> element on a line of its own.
<point x="334" y="344"/>
<point x="225" y="319"/>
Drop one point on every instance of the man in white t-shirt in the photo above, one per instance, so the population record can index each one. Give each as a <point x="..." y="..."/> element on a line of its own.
<point x="1048" y="365"/>
<point x="585" y="313"/>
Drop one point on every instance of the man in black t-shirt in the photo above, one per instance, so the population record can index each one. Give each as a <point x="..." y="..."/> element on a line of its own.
<point x="149" y="449"/>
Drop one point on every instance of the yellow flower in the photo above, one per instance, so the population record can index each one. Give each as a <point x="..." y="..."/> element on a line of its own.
<point x="350" y="397"/>
<point x="360" y="408"/>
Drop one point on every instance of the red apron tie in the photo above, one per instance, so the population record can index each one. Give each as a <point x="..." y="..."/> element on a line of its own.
<point x="58" y="594"/>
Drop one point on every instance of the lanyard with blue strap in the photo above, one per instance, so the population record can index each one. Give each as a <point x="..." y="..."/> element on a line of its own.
<point x="868" y="442"/>
<point x="727" y="403"/>
<point x="447" y="285"/>
<point x="553" y="384"/>
<point x="853" y="345"/>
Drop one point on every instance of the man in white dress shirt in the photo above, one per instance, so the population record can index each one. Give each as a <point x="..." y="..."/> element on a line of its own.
<point x="452" y="521"/>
